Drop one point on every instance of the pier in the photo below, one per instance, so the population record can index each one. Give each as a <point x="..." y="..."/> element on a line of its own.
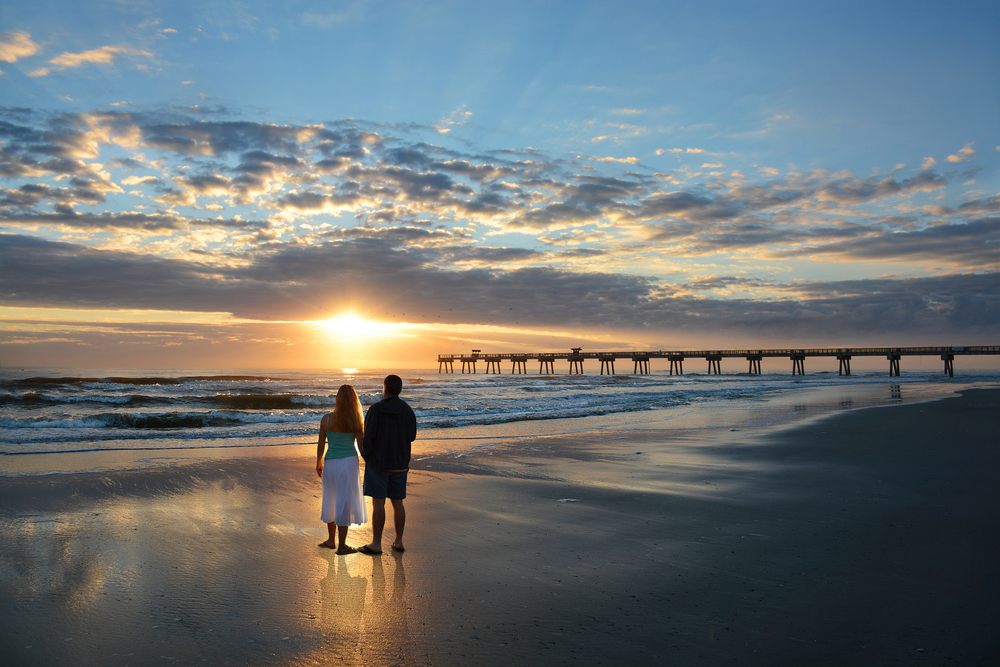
<point x="641" y="359"/>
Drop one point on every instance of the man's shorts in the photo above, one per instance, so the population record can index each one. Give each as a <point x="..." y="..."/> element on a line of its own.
<point x="382" y="484"/>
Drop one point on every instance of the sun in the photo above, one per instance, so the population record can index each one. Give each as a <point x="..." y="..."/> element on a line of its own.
<point x="350" y="326"/>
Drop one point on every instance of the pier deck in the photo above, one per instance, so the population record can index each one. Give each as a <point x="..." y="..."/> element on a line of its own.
<point x="641" y="358"/>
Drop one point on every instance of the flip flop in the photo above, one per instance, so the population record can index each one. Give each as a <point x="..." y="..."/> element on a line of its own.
<point x="368" y="551"/>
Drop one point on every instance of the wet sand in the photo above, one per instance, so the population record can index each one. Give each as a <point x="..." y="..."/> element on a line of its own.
<point x="869" y="537"/>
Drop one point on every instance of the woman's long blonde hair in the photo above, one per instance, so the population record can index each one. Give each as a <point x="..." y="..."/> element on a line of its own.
<point x="346" y="416"/>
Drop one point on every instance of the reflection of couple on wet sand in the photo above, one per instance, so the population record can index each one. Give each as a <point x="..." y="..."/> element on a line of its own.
<point x="384" y="438"/>
<point x="376" y="632"/>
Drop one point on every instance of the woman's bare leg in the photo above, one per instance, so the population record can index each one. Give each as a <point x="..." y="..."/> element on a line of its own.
<point x="342" y="547"/>
<point x="331" y="541"/>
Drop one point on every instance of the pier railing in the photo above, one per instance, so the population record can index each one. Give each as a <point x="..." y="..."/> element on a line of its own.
<point x="641" y="358"/>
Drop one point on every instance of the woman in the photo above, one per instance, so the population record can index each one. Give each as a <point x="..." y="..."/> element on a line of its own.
<point x="343" y="503"/>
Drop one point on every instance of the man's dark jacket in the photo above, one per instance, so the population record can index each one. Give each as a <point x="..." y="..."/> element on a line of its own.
<point x="390" y="427"/>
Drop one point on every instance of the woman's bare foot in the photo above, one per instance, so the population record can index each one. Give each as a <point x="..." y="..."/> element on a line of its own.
<point x="344" y="550"/>
<point x="328" y="545"/>
<point x="398" y="546"/>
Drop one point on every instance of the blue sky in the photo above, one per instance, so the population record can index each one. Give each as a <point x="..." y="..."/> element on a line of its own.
<point x="194" y="184"/>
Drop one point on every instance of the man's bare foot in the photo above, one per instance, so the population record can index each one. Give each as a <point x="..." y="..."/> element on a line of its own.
<point x="344" y="550"/>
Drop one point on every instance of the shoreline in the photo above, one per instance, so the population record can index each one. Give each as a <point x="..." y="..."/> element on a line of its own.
<point x="783" y="407"/>
<point x="863" y="537"/>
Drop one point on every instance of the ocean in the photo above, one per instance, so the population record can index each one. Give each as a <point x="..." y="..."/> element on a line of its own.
<point x="62" y="421"/>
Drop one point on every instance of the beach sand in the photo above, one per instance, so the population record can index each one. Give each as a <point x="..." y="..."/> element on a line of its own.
<point x="869" y="537"/>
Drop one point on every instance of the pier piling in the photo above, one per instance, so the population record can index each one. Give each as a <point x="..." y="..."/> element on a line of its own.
<point x="949" y="364"/>
<point x="714" y="363"/>
<point x="798" y="363"/>
<point x="641" y="365"/>
<point x="546" y="364"/>
<point x="676" y="363"/>
<point x="608" y="362"/>
<point x="470" y="362"/>
<point x="893" y="358"/>
<point x="845" y="364"/>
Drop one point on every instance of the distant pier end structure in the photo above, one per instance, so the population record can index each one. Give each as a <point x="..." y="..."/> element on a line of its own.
<point x="675" y="358"/>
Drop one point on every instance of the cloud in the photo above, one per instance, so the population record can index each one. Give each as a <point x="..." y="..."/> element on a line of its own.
<point x="211" y="185"/>
<point x="295" y="282"/>
<point x="958" y="305"/>
<point x="29" y="196"/>
<point x="104" y="55"/>
<point x="89" y="221"/>
<point x="158" y="223"/>
<point x="16" y="46"/>
<point x="456" y="118"/>
<point x="976" y="243"/>
<point x="476" y="172"/>
<point x="139" y="180"/>
<point x="624" y="160"/>
<point x="491" y="257"/>
<point x="589" y="199"/>
<point x="670" y="204"/>
<point x="855" y="191"/>
<point x="661" y="151"/>
<point x="312" y="202"/>
<point x="963" y="154"/>
<point x="575" y="237"/>
<point x="208" y="138"/>
<point x="980" y="206"/>
<point x="292" y="281"/>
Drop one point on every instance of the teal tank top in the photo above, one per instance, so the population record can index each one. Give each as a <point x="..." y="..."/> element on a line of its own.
<point x="339" y="445"/>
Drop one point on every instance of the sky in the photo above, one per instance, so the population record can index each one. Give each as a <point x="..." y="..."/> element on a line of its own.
<point x="221" y="184"/>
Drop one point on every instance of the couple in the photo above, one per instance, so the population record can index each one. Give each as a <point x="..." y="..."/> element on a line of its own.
<point x="384" y="440"/>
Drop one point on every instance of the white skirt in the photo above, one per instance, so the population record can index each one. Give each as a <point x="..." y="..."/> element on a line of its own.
<point x="343" y="503"/>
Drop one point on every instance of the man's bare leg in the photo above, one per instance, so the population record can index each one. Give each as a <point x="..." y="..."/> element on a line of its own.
<point x="378" y="523"/>
<point x="399" y="521"/>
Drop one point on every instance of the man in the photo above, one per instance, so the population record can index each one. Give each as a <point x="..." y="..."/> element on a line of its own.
<point x="390" y="427"/>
